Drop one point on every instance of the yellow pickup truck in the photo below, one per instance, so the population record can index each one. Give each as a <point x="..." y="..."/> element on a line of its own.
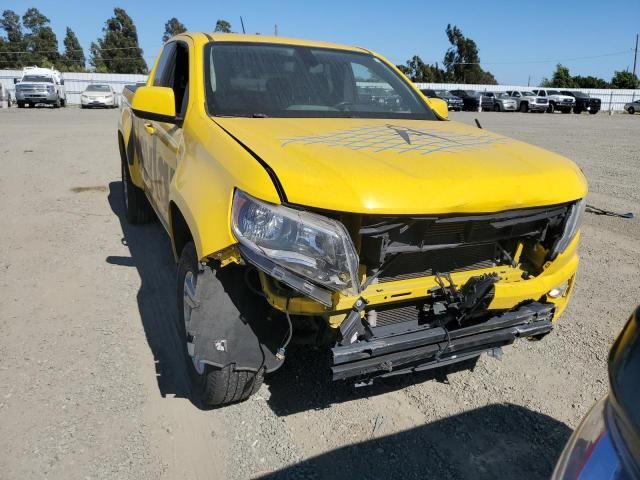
<point x="315" y="198"/>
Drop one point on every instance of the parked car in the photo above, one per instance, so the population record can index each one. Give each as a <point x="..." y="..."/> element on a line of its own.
<point x="487" y="101"/>
<point x="584" y="102"/>
<point x="98" y="95"/>
<point x="632" y="107"/>
<point x="40" y="85"/>
<point x="470" y="99"/>
<point x="500" y="102"/>
<point x="557" y="101"/>
<point x="527" y="101"/>
<point x="453" y="102"/>
<point x="299" y="210"/>
<point x="606" y="445"/>
<point x="5" y="96"/>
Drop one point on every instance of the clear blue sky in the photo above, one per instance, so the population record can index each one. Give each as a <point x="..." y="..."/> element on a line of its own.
<point x="504" y="31"/>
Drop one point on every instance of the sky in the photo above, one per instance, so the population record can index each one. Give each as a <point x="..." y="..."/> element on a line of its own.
<point x="519" y="42"/>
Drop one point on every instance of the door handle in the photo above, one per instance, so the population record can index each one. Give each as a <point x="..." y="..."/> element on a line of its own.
<point x="151" y="130"/>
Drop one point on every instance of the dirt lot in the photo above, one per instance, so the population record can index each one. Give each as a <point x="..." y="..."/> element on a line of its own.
<point x="92" y="384"/>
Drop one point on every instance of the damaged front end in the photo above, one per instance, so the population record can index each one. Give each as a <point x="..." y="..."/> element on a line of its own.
<point x="393" y="294"/>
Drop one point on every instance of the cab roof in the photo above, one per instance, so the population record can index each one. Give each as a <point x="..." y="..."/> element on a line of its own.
<point x="248" y="38"/>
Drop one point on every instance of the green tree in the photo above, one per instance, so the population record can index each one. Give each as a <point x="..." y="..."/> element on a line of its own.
<point x="590" y="82"/>
<point x="12" y="45"/>
<point x="222" y="26"/>
<point x="40" y="41"/>
<point x="172" y="27"/>
<point x="561" y="78"/>
<point x="418" y="71"/>
<point x="624" y="79"/>
<point x="73" y="57"/>
<point x="118" y="51"/>
<point x="462" y="60"/>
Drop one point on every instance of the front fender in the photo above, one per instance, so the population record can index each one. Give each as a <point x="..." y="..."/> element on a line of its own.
<point x="209" y="168"/>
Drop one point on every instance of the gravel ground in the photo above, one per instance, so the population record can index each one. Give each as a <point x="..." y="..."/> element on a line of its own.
<point x="92" y="384"/>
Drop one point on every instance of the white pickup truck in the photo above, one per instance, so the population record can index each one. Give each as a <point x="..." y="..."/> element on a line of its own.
<point x="557" y="100"/>
<point x="40" y="85"/>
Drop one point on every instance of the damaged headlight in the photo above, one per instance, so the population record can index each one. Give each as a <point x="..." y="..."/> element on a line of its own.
<point x="570" y="228"/>
<point x="312" y="246"/>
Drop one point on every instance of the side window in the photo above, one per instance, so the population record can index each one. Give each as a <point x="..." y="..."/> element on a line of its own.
<point x="542" y="93"/>
<point x="173" y="72"/>
<point x="166" y="57"/>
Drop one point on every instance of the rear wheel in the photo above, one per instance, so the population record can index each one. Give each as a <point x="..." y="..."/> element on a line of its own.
<point x="496" y="108"/>
<point x="136" y="205"/>
<point x="213" y="386"/>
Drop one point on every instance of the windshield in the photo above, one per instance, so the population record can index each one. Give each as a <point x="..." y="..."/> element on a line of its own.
<point x="98" y="88"/>
<point x="444" y="93"/>
<point x="528" y="94"/>
<point x="502" y="95"/>
<point x="37" y="78"/>
<point x="257" y="80"/>
<point x="553" y="92"/>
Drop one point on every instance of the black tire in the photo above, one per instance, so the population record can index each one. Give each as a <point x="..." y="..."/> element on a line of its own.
<point x="577" y="110"/>
<point x="136" y="205"/>
<point x="83" y="107"/>
<point x="566" y="110"/>
<point x="20" y="104"/>
<point x="593" y="112"/>
<point x="63" y="102"/>
<point x="631" y="110"/>
<point x="56" y="104"/>
<point x="496" y="108"/>
<point x="524" y="107"/>
<point x="551" y="108"/>
<point x="212" y="386"/>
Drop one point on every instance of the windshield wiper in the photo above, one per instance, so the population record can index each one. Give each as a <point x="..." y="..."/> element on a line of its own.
<point x="259" y="115"/>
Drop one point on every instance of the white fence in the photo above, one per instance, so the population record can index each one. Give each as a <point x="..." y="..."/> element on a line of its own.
<point x="612" y="99"/>
<point x="75" y="83"/>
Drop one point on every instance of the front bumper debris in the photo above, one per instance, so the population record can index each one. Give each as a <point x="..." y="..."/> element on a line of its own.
<point x="410" y="347"/>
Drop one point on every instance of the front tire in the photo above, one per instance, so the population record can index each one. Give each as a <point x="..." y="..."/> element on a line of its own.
<point x="551" y="108"/>
<point x="136" y="205"/>
<point x="524" y="107"/>
<point x="593" y="112"/>
<point x="20" y="104"/>
<point x="631" y="110"/>
<point x="212" y="386"/>
<point x="496" y="108"/>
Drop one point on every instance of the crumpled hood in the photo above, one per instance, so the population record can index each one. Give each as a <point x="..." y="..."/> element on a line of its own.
<point x="405" y="166"/>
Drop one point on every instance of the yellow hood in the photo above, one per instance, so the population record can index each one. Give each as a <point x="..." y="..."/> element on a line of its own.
<point x="405" y="166"/>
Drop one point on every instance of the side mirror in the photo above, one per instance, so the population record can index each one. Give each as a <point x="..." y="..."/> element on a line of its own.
<point x="155" y="103"/>
<point x="15" y="80"/>
<point x="439" y="106"/>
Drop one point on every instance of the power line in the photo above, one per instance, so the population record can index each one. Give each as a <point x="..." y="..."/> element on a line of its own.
<point x="623" y="52"/>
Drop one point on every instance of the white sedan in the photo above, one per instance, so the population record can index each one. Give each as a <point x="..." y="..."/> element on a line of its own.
<point x="96" y="95"/>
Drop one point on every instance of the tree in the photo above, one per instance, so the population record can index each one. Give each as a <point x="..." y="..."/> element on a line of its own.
<point x="118" y="51"/>
<point x="14" y="41"/>
<point x="462" y="60"/>
<point x="418" y="71"/>
<point x="590" y="82"/>
<point x="73" y="56"/>
<point x="561" y="78"/>
<point x="172" y="27"/>
<point x="41" y="42"/>
<point x="624" y="79"/>
<point x="222" y="26"/>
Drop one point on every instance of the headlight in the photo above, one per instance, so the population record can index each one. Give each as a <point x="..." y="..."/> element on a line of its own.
<point x="315" y="247"/>
<point x="570" y="228"/>
<point x="50" y="88"/>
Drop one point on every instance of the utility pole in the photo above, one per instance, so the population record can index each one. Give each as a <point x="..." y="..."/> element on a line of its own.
<point x="529" y="81"/>
<point x="635" y="57"/>
<point x="242" y="23"/>
<point x="275" y="30"/>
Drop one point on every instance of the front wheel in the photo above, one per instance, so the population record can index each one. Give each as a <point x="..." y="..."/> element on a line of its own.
<point x="212" y="386"/>
<point x="524" y="108"/>
<point x="20" y="104"/>
<point x="593" y="112"/>
<point x="63" y="102"/>
<point x="631" y="110"/>
<point x="551" y="108"/>
<point x="496" y="107"/>
<point x="136" y="205"/>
